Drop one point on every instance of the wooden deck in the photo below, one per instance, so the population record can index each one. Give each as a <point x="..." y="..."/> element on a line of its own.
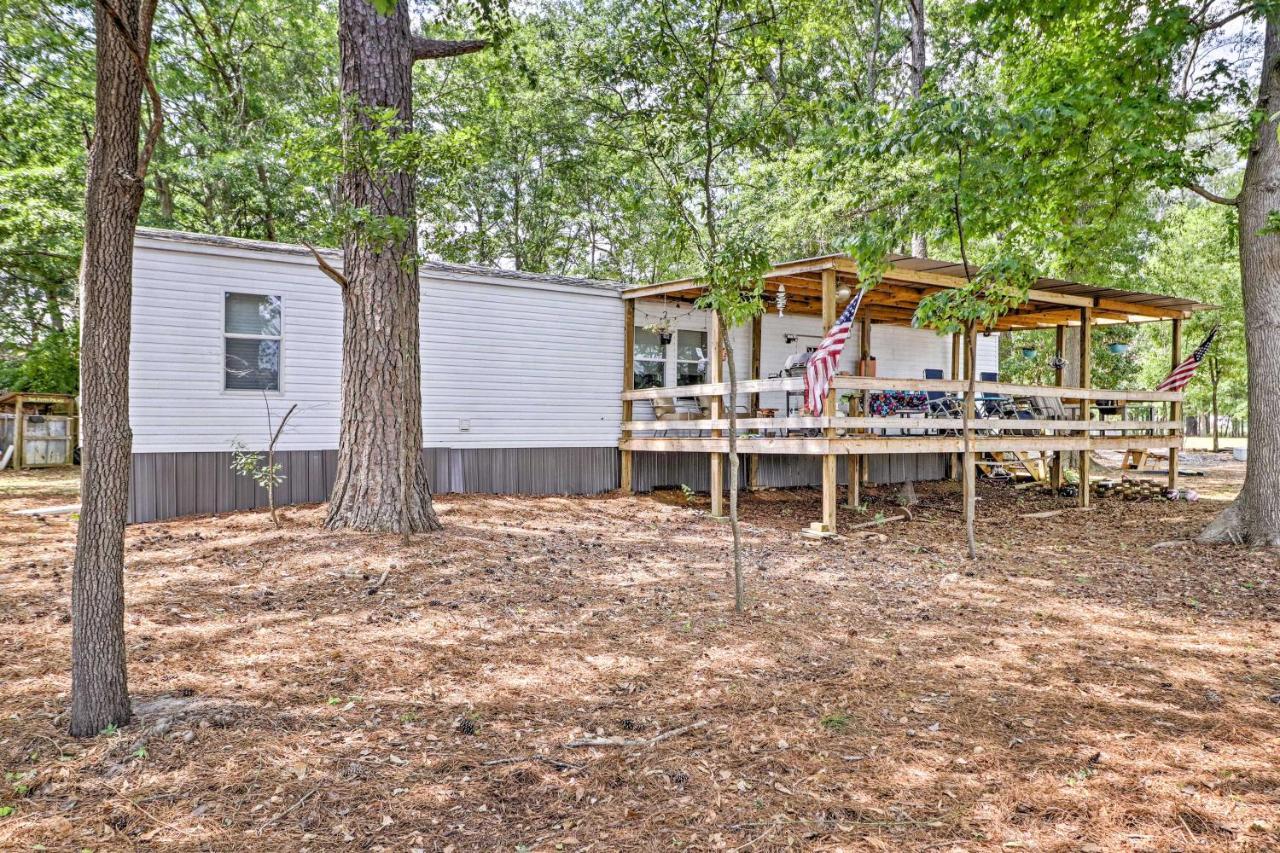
<point x="852" y="437"/>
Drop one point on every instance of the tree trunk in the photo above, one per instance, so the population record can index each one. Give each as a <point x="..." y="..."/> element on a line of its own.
<point x="739" y="583"/>
<point x="919" y="58"/>
<point x="113" y="196"/>
<point x="381" y="482"/>
<point x="1254" y="516"/>
<point x="970" y="412"/>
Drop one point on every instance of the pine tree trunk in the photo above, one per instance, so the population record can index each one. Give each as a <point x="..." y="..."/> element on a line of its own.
<point x="113" y="196"/>
<point x="381" y="482"/>
<point x="1254" y="516"/>
<point x="919" y="59"/>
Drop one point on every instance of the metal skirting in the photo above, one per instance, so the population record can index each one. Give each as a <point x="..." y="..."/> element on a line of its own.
<point x="672" y="470"/>
<point x="170" y="485"/>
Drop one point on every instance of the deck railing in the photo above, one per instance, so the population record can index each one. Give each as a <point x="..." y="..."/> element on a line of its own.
<point x="938" y="430"/>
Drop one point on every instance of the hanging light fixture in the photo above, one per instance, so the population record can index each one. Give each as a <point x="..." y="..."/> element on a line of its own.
<point x="844" y="291"/>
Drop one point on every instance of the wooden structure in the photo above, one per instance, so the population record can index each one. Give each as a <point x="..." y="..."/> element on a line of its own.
<point x="811" y="287"/>
<point x="41" y="428"/>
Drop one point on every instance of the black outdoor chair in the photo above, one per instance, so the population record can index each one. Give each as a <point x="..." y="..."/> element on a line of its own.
<point x="940" y="404"/>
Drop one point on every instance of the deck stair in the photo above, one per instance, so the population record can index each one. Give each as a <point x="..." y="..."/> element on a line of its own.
<point x="1015" y="465"/>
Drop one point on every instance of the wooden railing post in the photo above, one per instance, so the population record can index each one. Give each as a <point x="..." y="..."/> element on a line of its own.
<point x="19" y="434"/>
<point x="716" y="373"/>
<point x="1059" y="373"/>
<point x="1175" y="408"/>
<point x="829" y="478"/>
<point x="626" y="480"/>
<point x="753" y="459"/>
<point x="1086" y="381"/>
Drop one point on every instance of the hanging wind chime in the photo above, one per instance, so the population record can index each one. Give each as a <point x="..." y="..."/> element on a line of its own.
<point x="780" y="299"/>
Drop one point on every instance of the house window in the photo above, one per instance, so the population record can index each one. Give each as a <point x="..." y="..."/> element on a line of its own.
<point x="252" y="340"/>
<point x="650" y="360"/>
<point x="691" y="357"/>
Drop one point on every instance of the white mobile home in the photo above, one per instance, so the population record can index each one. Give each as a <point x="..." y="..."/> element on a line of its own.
<point x="521" y="372"/>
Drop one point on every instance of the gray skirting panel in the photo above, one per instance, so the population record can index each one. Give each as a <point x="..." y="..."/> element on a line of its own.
<point x="672" y="470"/>
<point x="170" y="485"/>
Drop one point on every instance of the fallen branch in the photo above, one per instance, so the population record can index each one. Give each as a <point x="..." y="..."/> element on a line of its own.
<point x="623" y="741"/>
<point x="545" y="759"/>
<point x="48" y="510"/>
<point x="904" y="515"/>
<point x="1052" y="512"/>
<point x="287" y="811"/>
<point x="379" y="582"/>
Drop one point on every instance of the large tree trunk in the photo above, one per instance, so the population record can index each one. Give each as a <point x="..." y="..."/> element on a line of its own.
<point x="381" y="482"/>
<point x="1254" y="516"/>
<point x="919" y="59"/>
<point x="113" y="196"/>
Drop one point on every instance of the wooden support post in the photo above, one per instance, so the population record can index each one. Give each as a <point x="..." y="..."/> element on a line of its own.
<point x="626" y="480"/>
<point x="19" y="434"/>
<point x="1059" y="347"/>
<point x="854" y="494"/>
<point x="830" y="484"/>
<point x="1086" y="381"/>
<point x="753" y="459"/>
<point x="73" y="429"/>
<point x="957" y="368"/>
<point x="1175" y="409"/>
<point x="864" y="351"/>
<point x="716" y="375"/>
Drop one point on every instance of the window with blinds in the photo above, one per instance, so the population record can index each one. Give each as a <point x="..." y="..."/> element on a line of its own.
<point x="252" y="342"/>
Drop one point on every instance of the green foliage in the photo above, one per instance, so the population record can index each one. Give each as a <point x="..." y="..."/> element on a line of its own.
<point x="1196" y="257"/>
<point x="254" y="465"/>
<point x="50" y="366"/>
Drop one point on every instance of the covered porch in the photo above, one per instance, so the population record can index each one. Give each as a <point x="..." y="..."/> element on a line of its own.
<point x="897" y="405"/>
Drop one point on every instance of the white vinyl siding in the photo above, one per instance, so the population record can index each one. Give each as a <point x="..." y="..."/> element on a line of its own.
<point x="506" y="362"/>
<point x="517" y="363"/>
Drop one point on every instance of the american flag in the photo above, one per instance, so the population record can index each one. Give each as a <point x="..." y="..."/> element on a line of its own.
<point x="822" y="364"/>
<point x="1181" y="375"/>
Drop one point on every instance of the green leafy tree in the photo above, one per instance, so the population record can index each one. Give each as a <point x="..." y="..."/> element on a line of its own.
<point x="680" y="87"/>
<point x="1197" y="258"/>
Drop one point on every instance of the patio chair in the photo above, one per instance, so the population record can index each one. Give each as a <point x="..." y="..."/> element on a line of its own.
<point x="669" y="410"/>
<point x="994" y="405"/>
<point x="940" y="404"/>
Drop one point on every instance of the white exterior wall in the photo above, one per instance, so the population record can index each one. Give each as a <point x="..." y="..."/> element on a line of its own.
<point x="527" y="363"/>
<point x="900" y="351"/>
<point x="521" y="363"/>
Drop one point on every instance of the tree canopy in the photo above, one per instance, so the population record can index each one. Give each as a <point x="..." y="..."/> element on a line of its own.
<point x="1068" y="138"/>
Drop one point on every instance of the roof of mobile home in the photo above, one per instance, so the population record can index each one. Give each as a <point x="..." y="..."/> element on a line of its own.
<point x="157" y="237"/>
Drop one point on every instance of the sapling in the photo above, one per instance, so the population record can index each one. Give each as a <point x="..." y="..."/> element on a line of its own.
<point x="262" y="468"/>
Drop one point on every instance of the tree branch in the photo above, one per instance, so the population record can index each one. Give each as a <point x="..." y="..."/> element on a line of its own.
<point x="326" y="267"/>
<point x="1212" y="196"/>
<point x="425" y="48"/>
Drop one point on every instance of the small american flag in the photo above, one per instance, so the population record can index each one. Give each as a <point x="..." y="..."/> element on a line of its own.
<point x="822" y="364"/>
<point x="1181" y="375"/>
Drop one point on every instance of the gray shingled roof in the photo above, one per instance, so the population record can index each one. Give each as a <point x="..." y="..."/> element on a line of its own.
<point x="427" y="265"/>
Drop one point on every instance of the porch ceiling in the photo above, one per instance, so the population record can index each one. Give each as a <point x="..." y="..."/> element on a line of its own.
<point x="1052" y="302"/>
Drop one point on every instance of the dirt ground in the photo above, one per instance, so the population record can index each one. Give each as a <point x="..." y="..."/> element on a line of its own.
<point x="1084" y="686"/>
